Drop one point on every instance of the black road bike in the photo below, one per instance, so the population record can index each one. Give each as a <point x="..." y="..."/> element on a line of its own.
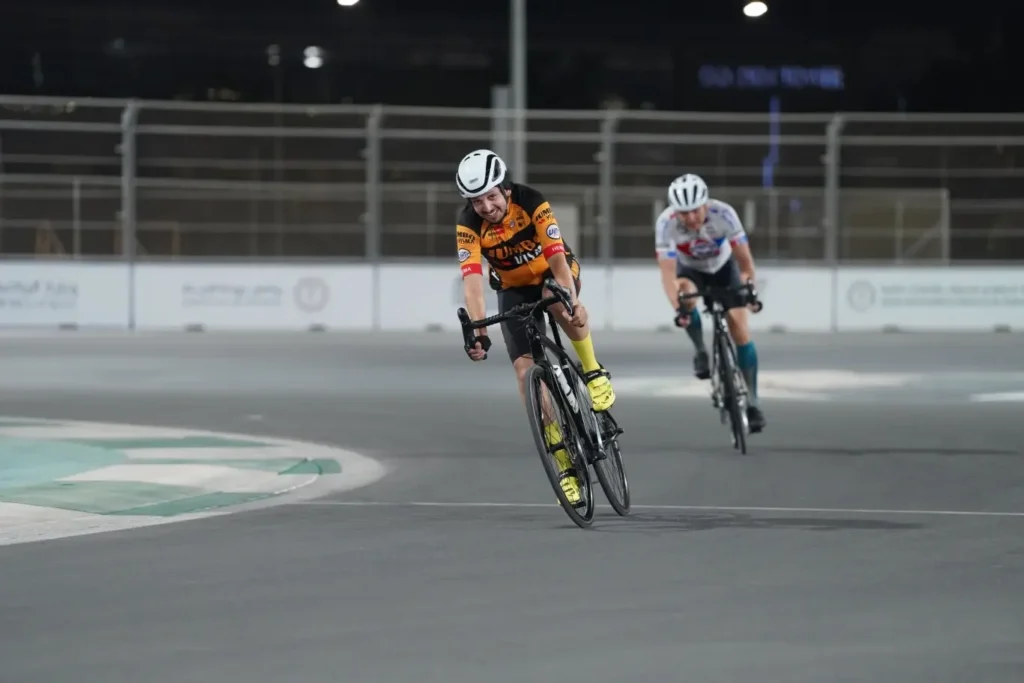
<point x="590" y="437"/>
<point x="729" y="392"/>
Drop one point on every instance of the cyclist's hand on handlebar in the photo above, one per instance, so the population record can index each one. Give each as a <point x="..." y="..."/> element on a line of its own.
<point x="481" y="345"/>
<point x="579" y="315"/>
<point x="682" y="317"/>
<point x="753" y="303"/>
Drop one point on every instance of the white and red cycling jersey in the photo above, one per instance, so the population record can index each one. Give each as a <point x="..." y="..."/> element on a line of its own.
<point x="707" y="249"/>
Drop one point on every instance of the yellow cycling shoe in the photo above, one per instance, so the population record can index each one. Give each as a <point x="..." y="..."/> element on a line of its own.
<point x="599" y="385"/>
<point x="569" y="482"/>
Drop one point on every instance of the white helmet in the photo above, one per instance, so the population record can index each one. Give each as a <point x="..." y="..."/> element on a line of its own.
<point x="687" y="192"/>
<point x="479" y="173"/>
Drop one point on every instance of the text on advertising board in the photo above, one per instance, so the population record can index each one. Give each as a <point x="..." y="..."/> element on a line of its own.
<point x="625" y="297"/>
<point x="863" y="295"/>
<point x="48" y="294"/>
<point x="309" y="294"/>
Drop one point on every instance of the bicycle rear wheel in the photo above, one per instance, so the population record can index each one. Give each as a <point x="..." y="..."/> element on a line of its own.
<point x="610" y="471"/>
<point x="607" y="464"/>
<point x="540" y="392"/>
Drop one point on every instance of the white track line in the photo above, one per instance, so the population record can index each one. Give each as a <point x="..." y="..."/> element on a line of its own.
<point x="998" y="397"/>
<point x="729" y="508"/>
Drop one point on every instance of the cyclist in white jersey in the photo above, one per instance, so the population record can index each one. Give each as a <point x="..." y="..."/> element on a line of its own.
<point x="700" y="241"/>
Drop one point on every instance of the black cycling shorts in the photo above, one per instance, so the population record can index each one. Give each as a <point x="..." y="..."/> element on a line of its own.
<point x="517" y="342"/>
<point x="726" y="276"/>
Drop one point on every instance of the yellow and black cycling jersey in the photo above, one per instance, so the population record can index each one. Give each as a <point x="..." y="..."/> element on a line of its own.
<point x="518" y="248"/>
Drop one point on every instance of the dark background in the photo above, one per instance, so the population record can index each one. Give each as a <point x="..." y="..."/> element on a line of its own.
<point x="255" y="195"/>
<point x="894" y="56"/>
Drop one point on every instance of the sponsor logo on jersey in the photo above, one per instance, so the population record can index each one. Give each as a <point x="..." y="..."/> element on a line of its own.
<point x="510" y="256"/>
<point x="553" y="232"/>
<point x="700" y="249"/>
<point x="527" y="256"/>
<point x="463" y="255"/>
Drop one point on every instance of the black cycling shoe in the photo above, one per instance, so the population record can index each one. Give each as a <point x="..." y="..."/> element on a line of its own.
<point x="701" y="365"/>
<point x="756" y="419"/>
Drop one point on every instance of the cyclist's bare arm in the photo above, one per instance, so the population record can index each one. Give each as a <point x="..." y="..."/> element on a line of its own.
<point x="471" y="263"/>
<point x="744" y="260"/>
<point x="563" y="275"/>
<point x="739" y="241"/>
<point x="665" y="252"/>
<point x="476" y="304"/>
<point x="669" y="282"/>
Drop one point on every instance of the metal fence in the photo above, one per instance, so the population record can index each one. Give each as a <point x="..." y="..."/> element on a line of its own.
<point x="191" y="180"/>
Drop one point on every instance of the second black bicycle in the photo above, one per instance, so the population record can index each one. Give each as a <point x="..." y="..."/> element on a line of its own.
<point x="729" y="391"/>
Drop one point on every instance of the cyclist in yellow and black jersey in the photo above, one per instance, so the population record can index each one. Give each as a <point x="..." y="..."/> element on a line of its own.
<point x="513" y="228"/>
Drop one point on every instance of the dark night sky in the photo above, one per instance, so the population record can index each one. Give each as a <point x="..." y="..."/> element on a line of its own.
<point x="892" y="55"/>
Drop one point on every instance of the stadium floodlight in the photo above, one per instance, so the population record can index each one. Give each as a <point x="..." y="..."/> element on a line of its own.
<point x="348" y="3"/>
<point x="313" y="57"/>
<point x="755" y="8"/>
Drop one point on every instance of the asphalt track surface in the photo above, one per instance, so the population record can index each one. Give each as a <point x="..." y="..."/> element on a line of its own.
<point x="830" y="553"/>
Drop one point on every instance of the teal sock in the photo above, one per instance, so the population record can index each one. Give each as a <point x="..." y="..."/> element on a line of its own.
<point x="746" y="358"/>
<point x="695" y="331"/>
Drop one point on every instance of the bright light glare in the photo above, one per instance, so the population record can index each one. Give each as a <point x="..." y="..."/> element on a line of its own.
<point x="752" y="9"/>
<point x="348" y="3"/>
<point x="313" y="57"/>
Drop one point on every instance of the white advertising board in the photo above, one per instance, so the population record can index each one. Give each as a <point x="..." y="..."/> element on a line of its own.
<point x="417" y="297"/>
<point x="253" y="297"/>
<point x="961" y="298"/>
<point x="795" y="299"/>
<point x="406" y="297"/>
<point x="54" y="294"/>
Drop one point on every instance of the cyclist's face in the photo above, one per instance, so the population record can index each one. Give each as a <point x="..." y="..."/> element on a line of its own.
<point x="693" y="219"/>
<point x="491" y="206"/>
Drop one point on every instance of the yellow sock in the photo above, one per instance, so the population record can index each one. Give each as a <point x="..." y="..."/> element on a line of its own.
<point x="553" y="432"/>
<point x="585" y="350"/>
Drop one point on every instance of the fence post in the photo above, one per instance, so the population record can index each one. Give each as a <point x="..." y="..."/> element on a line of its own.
<point x="832" y="162"/>
<point x="374" y="220"/>
<point x="373" y="188"/>
<point x="606" y="159"/>
<point x="129" y="232"/>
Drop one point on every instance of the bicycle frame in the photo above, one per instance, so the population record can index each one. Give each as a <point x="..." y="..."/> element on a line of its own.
<point x="569" y="397"/>
<point x="723" y="348"/>
<point x="571" y="389"/>
<point x="721" y="300"/>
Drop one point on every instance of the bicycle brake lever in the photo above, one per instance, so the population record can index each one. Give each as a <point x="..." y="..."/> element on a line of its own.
<point x="562" y="293"/>
<point x="467" y="333"/>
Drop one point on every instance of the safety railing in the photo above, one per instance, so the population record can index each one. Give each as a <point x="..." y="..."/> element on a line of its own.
<point x="158" y="180"/>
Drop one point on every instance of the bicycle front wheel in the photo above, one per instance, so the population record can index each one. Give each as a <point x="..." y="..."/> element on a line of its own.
<point x="730" y="391"/>
<point x="543" y="406"/>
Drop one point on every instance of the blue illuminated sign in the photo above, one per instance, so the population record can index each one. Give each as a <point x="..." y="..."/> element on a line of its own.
<point x="771" y="77"/>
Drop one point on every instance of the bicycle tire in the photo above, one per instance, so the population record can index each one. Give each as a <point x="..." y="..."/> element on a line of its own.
<point x="717" y="392"/>
<point x="536" y="377"/>
<point x="613" y="461"/>
<point x="603" y="462"/>
<point x="728" y="369"/>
